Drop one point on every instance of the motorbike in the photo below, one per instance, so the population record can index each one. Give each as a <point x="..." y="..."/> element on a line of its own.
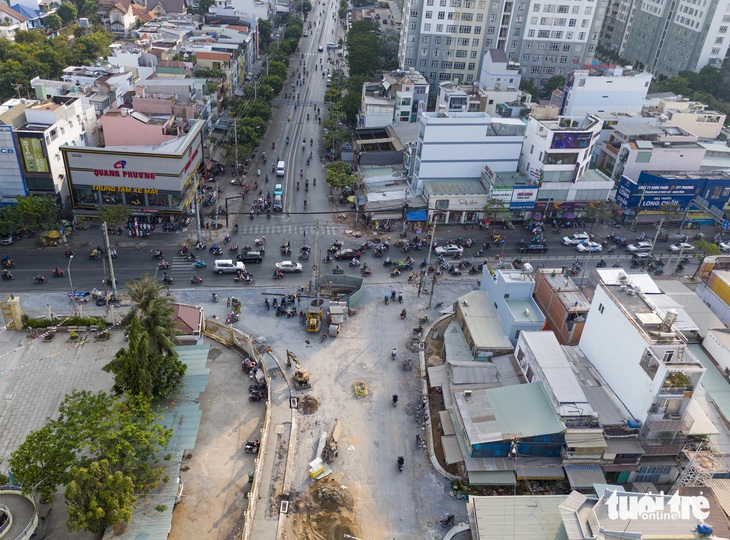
<point x="158" y="255"/>
<point x="403" y="314"/>
<point x="473" y="271"/>
<point x="196" y="280"/>
<point x="233" y="249"/>
<point x="448" y="520"/>
<point x="338" y="270"/>
<point x="395" y="400"/>
<point x="256" y="397"/>
<point x="252" y="447"/>
<point x="393" y="354"/>
<point x="59" y="273"/>
<point x="418" y="330"/>
<point x="684" y="260"/>
<point x="601" y="264"/>
<point x="680" y="267"/>
<point x="39" y="279"/>
<point x="395" y="273"/>
<point x="200" y="263"/>
<point x="215" y="297"/>
<point x="366" y="272"/>
<point x="327" y="259"/>
<point x="278" y="275"/>
<point x="200" y="245"/>
<point x="455" y="271"/>
<point x="68" y="253"/>
<point x="355" y="263"/>
<point x="423" y="320"/>
<point x="7" y="275"/>
<point x="164" y="265"/>
<point x="167" y="280"/>
<point x="401" y="462"/>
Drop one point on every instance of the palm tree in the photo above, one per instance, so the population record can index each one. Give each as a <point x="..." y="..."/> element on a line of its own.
<point x="155" y="314"/>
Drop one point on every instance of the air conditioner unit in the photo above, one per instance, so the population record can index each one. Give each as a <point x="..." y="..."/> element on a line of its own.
<point x="467" y="394"/>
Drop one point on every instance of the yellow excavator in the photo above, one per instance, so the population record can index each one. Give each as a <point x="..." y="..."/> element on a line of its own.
<point x="314" y="319"/>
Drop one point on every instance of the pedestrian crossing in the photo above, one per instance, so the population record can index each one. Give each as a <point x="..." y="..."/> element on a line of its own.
<point x="286" y="230"/>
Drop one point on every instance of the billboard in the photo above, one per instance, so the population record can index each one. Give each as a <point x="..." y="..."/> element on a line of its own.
<point x="33" y="157"/>
<point x="571" y="140"/>
<point x="648" y="196"/>
<point x="523" y="198"/>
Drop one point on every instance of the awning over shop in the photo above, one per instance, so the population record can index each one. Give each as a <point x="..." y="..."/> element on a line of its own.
<point x="447" y="426"/>
<point x="492" y="478"/>
<point x="584" y="476"/>
<point x="539" y="469"/>
<point x="375" y="215"/>
<point x="452" y="452"/>
<point x="588" y="438"/>
<point x="416" y="215"/>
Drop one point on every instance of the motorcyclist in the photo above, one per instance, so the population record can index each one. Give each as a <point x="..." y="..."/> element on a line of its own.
<point x="297" y="185"/>
<point x="395" y="399"/>
<point x="355" y="262"/>
<point x="393" y="353"/>
<point x="113" y="253"/>
<point x="403" y="314"/>
<point x="305" y="203"/>
<point x="7" y="274"/>
<point x="338" y="268"/>
<point x="39" y="278"/>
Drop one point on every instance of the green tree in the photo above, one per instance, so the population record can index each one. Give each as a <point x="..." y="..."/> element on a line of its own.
<point x="278" y="69"/>
<point x="493" y="208"/>
<point x="52" y="21"/>
<point x="155" y="314"/>
<point x="276" y="83"/>
<point x="339" y="175"/>
<point x="553" y="83"/>
<point x="98" y="498"/>
<point x="91" y="427"/>
<point x="528" y="85"/>
<point x="704" y="249"/>
<point x="33" y="213"/>
<point x="389" y="42"/>
<point x="363" y="48"/>
<point x="597" y="211"/>
<point x="264" y="33"/>
<point x="201" y="7"/>
<point x="670" y="211"/>
<point x="68" y="12"/>
<point x="114" y="216"/>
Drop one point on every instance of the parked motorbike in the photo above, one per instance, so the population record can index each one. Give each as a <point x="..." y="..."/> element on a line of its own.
<point x="417" y="330"/>
<point x="448" y="520"/>
<point x="252" y="447"/>
<point x="423" y="320"/>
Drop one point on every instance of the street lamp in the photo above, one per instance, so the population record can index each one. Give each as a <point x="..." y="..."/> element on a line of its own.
<point x="68" y="271"/>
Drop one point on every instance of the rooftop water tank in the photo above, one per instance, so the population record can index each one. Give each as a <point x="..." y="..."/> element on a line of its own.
<point x="704" y="529"/>
<point x="633" y="423"/>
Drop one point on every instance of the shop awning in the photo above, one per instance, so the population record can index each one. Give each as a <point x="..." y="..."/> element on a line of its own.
<point x="452" y="451"/>
<point x="585" y="438"/>
<point x="416" y="215"/>
<point x="447" y="426"/>
<point x="375" y="215"/>
<point x="539" y="469"/>
<point x="492" y="478"/>
<point x="584" y="476"/>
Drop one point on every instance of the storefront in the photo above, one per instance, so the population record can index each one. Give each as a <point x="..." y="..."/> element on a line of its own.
<point x="11" y="179"/>
<point x="147" y="180"/>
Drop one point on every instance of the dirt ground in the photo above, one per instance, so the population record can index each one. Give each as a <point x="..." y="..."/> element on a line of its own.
<point x="325" y="511"/>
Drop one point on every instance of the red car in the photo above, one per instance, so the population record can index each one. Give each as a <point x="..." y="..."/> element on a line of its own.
<point x="347" y="254"/>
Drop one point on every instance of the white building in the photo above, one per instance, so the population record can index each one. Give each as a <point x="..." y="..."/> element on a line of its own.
<point x="12" y="21"/>
<point x="617" y="90"/>
<point x="499" y="72"/>
<point x="692" y="116"/>
<point x="457" y="146"/>
<point x="455" y="98"/>
<point x="641" y="351"/>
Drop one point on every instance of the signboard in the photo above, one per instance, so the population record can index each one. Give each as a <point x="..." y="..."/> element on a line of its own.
<point x="33" y="156"/>
<point x="502" y="194"/>
<point x="648" y="196"/>
<point x="523" y="198"/>
<point x="571" y="140"/>
<point x="489" y="174"/>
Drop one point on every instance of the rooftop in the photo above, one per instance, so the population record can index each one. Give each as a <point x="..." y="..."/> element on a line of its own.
<point x="454" y="187"/>
<point x="565" y="290"/>
<point x="523" y="516"/>
<point x="490" y="415"/>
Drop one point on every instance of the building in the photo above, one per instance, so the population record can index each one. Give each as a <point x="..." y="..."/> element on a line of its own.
<point x="564" y="305"/>
<point x="61" y="120"/>
<point x="455" y="98"/>
<point x="479" y="322"/>
<point x="498" y="71"/>
<point x="397" y="97"/>
<point x="12" y="21"/>
<point x="447" y="42"/>
<point x="457" y="146"/>
<point x="11" y="177"/>
<point x="641" y="353"/>
<point x="692" y="116"/>
<point x="510" y="291"/>
<point x="376" y="108"/>
<point x="616" y="24"/>
<point x="117" y="16"/>
<point x="154" y="179"/>
<point x="618" y="90"/>
<point x="667" y="38"/>
<point x="631" y="149"/>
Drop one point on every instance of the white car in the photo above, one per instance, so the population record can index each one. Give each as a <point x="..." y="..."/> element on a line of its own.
<point x="228" y="266"/>
<point x="577" y="238"/>
<point x="724" y="246"/>
<point x="289" y="266"/>
<point x="6" y="240"/>
<point x="449" y="249"/>
<point x="639" y="247"/>
<point x="589" y="247"/>
<point x="683" y="247"/>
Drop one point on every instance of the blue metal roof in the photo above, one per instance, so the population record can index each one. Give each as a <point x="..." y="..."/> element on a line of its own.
<point x="184" y="419"/>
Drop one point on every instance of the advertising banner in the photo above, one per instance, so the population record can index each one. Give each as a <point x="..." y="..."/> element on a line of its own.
<point x="33" y="156"/>
<point x="647" y="196"/>
<point x="571" y="140"/>
<point x="523" y="198"/>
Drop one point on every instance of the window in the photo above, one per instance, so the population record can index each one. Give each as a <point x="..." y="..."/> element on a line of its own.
<point x="556" y="35"/>
<point x="589" y="10"/>
<point x="551" y="59"/>
<point x="437" y="40"/>
<point x="514" y="43"/>
<point x="541" y="46"/>
<point x="517" y="32"/>
<point x="444" y="76"/>
<point x="549" y="9"/>
<point x="413" y="26"/>
<point x="461" y="53"/>
<point x="525" y="57"/>
<point x="427" y="27"/>
<point x="528" y="45"/>
<point x="723" y="29"/>
<point x="429" y="2"/>
<point x="414" y="13"/>
<point x="459" y="65"/>
<point x="429" y="14"/>
<point x="441" y="14"/>
<point x="548" y="21"/>
<point x="537" y="58"/>
<point x="480" y="17"/>
<point x="487" y="43"/>
<point x="571" y="22"/>
<point x="442" y="204"/>
<point x="446" y="65"/>
<point x="566" y="48"/>
<point x="563" y="9"/>
<point x="543" y="33"/>
<point x="600" y="308"/>
<point x="584" y="23"/>
<point x="451" y="28"/>
<point x="425" y="39"/>
<point x="482" y="4"/>
<point x="490" y="30"/>
<point x="477" y="30"/>
<point x="462" y="42"/>
<point x="718" y="41"/>
<point x="447" y="41"/>
<point x="518" y="19"/>
<point x="467" y="16"/>
<point x="715" y="51"/>
<point x="563" y="59"/>
<point x="424" y="52"/>
<point x="576" y="10"/>
<point x="439" y="28"/>
<point x="434" y="64"/>
<point x="475" y="42"/>
<point x="521" y="6"/>
<point x="536" y="8"/>
<point x="473" y="54"/>
<point x="554" y="46"/>
<point x="548" y="70"/>
<point x="535" y="69"/>
<point x="472" y="66"/>
<point x="422" y="64"/>
<point x="533" y="20"/>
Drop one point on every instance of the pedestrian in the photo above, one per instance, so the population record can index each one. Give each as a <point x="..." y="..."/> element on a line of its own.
<point x="299" y="300"/>
<point x="268" y="306"/>
<point x="228" y="302"/>
<point x="263" y="239"/>
<point x="418" y="440"/>
<point x="305" y="233"/>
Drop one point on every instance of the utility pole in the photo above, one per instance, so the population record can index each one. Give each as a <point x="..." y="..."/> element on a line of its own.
<point x="197" y="210"/>
<point x="315" y="266"/>
<point x="105" y="232"/>
<point x="235" y="132"/>
<point x="428" y="262"/>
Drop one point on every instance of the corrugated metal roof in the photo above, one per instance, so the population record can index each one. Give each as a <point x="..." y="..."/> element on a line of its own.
<point x="583" y="476"/>
<point x="489" y="464"/>
<point x="437" y="376"/>
<point x="536" y="468"/>
<point x="625" y="445"/>
<point x="456" y="347"/>
<point x="184" y="419"/>
<point x="528" y="516"/>
<point x="492" y="478"/>
<point x="447" y="426"/>
<point x="585" y="438"/>
<point x="473" y="373"/>
<point x="721" y="491"/>
<point x="452" y="451"/>
<point x="644" y="487"/>
<point x="483" y="323"/>
<point x="714" y="382"/>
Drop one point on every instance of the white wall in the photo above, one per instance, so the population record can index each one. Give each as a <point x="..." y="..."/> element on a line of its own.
<point x="606" y="94"/>
<point x="723" y="6"/>
<point x="717" y="348"/>
<point x="666" y="159"/>
<point x="615" y="347"/>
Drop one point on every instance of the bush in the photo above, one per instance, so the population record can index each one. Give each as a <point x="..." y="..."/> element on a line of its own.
<point x="76" y="320"/>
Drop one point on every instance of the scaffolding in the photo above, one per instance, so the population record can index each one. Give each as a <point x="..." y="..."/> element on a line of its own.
<point x="703" y="466"/>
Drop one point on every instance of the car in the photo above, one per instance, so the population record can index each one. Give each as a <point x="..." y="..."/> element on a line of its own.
<point x="278" y="190"/>
<point x="533" y="248"/>
<point x="305" y="34"/>
<point x="347" y="254"/>
<point x="589" y="247"/>
<point x="320" y="48"/>
<point x="278" y="204"/>
<point x="724" y="246"/>
<point x="643" y="256"/>
<point x="639" y="247"/>
<point x="684" y="247"/>
<point x="449" y="249"/>
<point x="577" y="238"/>
<point x="228" y="266"/>
<point x="6" y="240"/>
<point x="289" y="266"/>
<point x="250" y="256"/>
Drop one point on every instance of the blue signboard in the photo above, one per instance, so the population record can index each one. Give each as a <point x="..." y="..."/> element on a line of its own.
<point x="652" y="191"/>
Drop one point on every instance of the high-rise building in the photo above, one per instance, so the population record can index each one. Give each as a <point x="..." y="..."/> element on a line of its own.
<point x="665" y="37"/>
<point x="447" y="39"/>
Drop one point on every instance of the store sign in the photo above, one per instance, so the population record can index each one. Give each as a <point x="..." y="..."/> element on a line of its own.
<point x="35" y="160"/>
<point x="7" y="151"/>
<point x="123" y="174"/>
<point x="125" y="189"/>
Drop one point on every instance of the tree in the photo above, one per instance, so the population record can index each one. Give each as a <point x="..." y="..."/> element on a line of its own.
<point x="114" y="216"/>
<point x="264" y="33"/>
<point x="52" y="21"/>
<point x="670" y="211"/>
<point x="597" y="211"/>
<point x="493" y="207"/>
<point x="32" y="213"/>
<point x="91" y="427"/>
<point x="363" y="49"/>
<point x="528" y="85"/>
<point x="155" y="314"/>
<point x="553" y="83"/>
<point x="201" y="7"/>
<point x="339" y="175"/>
<point x="704" y="249"/>
<point x="68" y="12"/>
<point x="275" y="82"/>
<point x="98" y="498"/>
<point x="278" y="69"/>
<point x="389" y="42"/>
